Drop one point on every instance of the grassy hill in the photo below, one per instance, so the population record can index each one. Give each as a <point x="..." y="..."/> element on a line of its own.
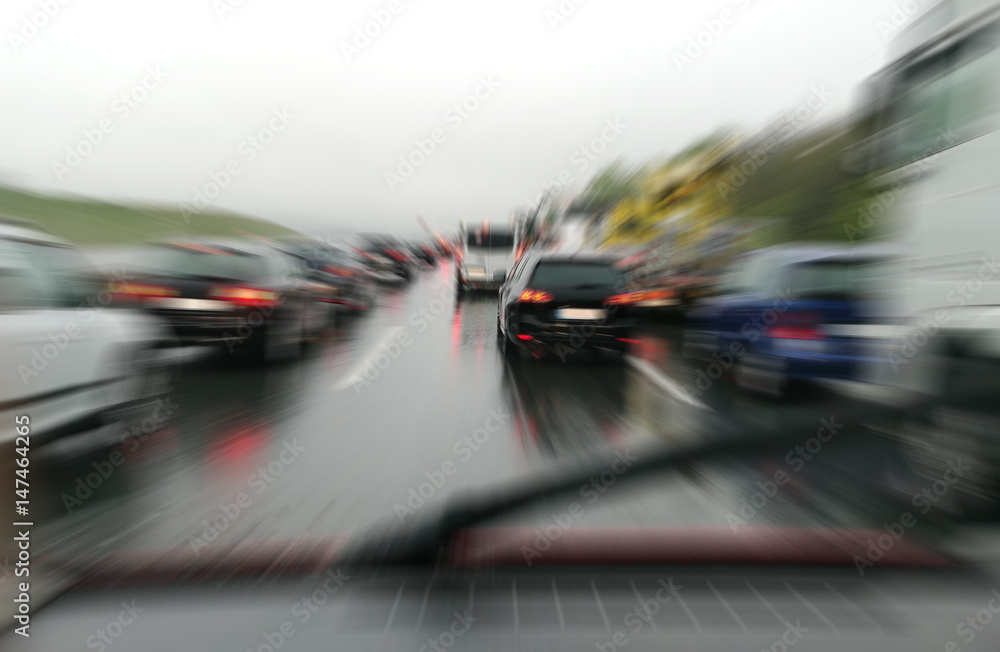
<point x="86" y="221"/>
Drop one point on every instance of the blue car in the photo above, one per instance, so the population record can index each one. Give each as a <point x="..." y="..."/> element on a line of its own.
<point x="794" y="313"/>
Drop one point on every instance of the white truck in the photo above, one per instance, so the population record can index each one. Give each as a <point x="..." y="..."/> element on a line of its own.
<point x="935" y="160"/>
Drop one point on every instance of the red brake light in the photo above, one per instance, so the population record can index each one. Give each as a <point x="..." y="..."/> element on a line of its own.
<point x="397" y="255"/>
<point x="243" y="296"/>
<point x="534" y="296"/>
<point x="339" y="271"/>
<point x="796" y="326"/>
<point x="139" y="292"/>
<point x="622" y="299"/>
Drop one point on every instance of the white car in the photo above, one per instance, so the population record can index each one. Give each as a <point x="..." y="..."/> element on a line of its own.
<point x="72" y="364"/>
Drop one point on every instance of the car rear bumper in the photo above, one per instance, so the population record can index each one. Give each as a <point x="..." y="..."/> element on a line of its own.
<point x="840" y="360"/>
<point x="194" y="327"/>
<point x="482" y="285"/>
<point x="582" y="334"/>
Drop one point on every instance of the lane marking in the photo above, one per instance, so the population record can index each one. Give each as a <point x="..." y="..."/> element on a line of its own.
<point x="664" y="382"/>
<point x="365" y="361"/>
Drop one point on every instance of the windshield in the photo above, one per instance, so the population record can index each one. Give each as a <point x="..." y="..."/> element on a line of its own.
<point x="836" y="279"/>
<point x="565" y="274"/>
<point x="522" y="297"/>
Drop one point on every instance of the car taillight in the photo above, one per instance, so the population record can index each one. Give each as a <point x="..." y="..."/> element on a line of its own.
<point x="796" y="326"/>
<point x="397" y="255"/>
<point x="636" y="297"/>
<point x="139" y="292"/>
<point x="534" y="296"/>
<point x="243" y="296"/>
<point x="622" y="299"/>
<point x="339" y="271"/>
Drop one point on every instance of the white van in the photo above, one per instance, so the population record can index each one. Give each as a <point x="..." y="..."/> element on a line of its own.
<point x="486" y="255"/>
<point x="934" y="159"/>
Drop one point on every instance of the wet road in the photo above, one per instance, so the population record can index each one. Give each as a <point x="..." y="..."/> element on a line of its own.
<point x="392" y="413"/>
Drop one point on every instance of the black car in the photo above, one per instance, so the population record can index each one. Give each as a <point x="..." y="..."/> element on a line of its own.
<point x="343" y="280"/>
<point x="352" y="284"/>
<point x="247" y="297"/>
<point x="565" y="303"/>
<point x="387" y="257"/>
<point x="424" y="253"/>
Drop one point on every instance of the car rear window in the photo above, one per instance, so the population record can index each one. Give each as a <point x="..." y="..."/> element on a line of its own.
<point x="494" y="240"/>
<point x="834" y="279"/>
<point x="207" y="262"/>
<point x="570" y="274"/>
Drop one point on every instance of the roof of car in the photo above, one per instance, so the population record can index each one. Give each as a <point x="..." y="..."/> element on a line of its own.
<point x="578" y="257"/>
<point x="219" y="246"/>
<point x="792" y="254"/>
<point x="13" y="228"/>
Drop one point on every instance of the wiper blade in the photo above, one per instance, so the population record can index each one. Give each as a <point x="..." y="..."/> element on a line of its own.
<point x="429" y="542"/>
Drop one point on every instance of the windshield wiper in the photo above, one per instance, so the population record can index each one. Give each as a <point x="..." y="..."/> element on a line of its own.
<point x="429" y="542"/>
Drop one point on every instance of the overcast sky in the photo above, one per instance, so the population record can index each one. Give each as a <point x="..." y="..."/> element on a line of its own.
<point x="312" y="120"/>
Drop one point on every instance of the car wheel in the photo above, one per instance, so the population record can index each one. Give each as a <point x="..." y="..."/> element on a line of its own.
<point x="279" y="340"/>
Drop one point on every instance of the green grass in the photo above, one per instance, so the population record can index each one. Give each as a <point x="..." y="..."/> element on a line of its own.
<point x="86" y="221"/>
